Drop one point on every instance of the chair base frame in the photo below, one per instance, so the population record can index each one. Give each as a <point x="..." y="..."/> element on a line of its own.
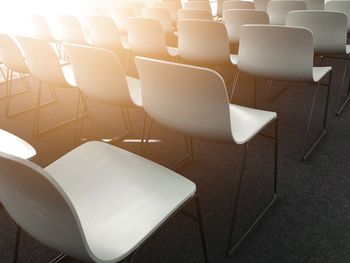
<point x="232" y="248"/>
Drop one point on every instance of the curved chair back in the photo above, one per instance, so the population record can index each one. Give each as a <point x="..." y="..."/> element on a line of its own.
<point x="201" y="5"/>
<point x="234" y="4"/>
<point x="203" y="42"/>
<point x="42" y="60"/>
<point x="235" y="18"/>
<point x="136" y="7"/>
<point x="194" y="14"/>
<point x="120" y="14"/>
<point x="329" y="29"/>
<point x="188" y="99"/>
<point x="71" y="29"/>
<point x="339" y="6"/>
<point x="276" y="52"/>
<point x="315" y="4"/>
<point x="160" y="14"/>
<point x="172" y="8"/>
<point x="146" y="37"/>
<point x="104" y="32"/>
<point x="38" y="205"/>
<point x="99" y="74"/>
<point x="11" y="55"/>
<point x="278" y="10"/>
<point x="261" y="5"/>
<point x="41" y="28"/>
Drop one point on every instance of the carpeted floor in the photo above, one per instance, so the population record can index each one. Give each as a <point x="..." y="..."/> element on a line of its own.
<point x="310" y="222"/>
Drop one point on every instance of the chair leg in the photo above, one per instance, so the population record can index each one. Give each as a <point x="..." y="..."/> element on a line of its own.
<point x="255" y="90"/>
<point x="189" y="156"/>
<point x="17" y="242"/>
<point x="342" y="106"/>
<point x="269" y="98"/>
<point x="234" y="86"/>
<point x="147" y="132"/>
<point x="268" y="90"/>
<point x="276" y="158"/>
<point x="37" y="110"/>
<point x="307" y="152"/>
<point x="79" y="130"/>
<point x="80" y="97"/>
<point x="59" y="258"/>
<point x="201" y="229"/>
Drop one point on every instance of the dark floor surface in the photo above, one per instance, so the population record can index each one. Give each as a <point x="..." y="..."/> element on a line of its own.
<point x="310" y="222"/>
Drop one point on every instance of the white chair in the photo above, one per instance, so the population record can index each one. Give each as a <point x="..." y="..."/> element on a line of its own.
<point x="97" y="203"/>
<point x="136" y="7"/>
<point x="100" y="76"/>
<point x="329" y="30"/>
<point x="339" y="6"/>
<point x="261" y="5"/>
<point x="315" y="4"/>
<point x="147" y="38"/>
<point x="194" y="14"/>
<point x="71" y="30"/>
<point x="12" y="57"/>
<point x="201" y="5"/>
<point x="283" y="54"/>
<point x="199" y="38"/>
<point x="172" y="8"/>
<point x="120" y="14"/>
<point x="235" y="18"/>
<point x="44" y="65"/>
<point x="194" y="102"/>
<point x="234" y="4"/>
<point x="13" y="145"/>
<point x="160" y="14"/>
<point x="278" y="10"/>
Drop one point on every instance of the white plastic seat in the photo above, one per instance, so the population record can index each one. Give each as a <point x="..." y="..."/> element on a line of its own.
<point x="41" y="29"/>
<point x="193" y="101"/>
<point x="194" y="14"/>
<point x="12" y="57"/>
<point x="160" y="14"/>
<point x="339" y="6"/>
<point x="172" y="8"/>
<point x="97" y="203"/>
<point x="71" y="30"/>
<point x="136" y="7"/>
<point x="234" y="4"/>
<point x="44" y="65"/>
<point x="283" y="54"/>
<point x="120" y="14"/>
<point x="201" y="5"/>
<point x="147" y="38"/>
<point x="278" y="10"/>
<point x="13" y="145"/>
<point x="261" y="5"/>
<point x="315" y="4"/>
<point x="329" y="29"/>
<point x="100" y="76"/>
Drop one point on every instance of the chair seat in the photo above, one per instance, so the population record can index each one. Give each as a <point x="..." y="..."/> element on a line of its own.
<point x="234" y="59"/>
<point x="248" y="122"/>
<point x="120" y="198"/>
<point x="320" y="72"/>
<point x="13" y="145"/>
<point x="69" y="76"/>
<point x="134" y="86"/>
<point x="173" y="51"/>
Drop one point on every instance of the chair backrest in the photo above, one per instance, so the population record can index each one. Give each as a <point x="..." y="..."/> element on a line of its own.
<point x="160" y="14"/>
<point x="261" y="5"/>
<point x="146" y="37"/>
<point x="172" y="8"/>
<point x="120" y="14"/>
<point x="278" y="10"/>
<point x="41" y="29"/>
<point x="42" y="60"/>
<point x="71" y="29"/>
<point x="11" y="55"/>
<point x="201" y="5"/>
<point x="99" y="74"/>
<point x="36" y="202"/>
<point x="329" y="29"/>
<point x="186" y="98"/>
<point x="203" y="42"/>
<point x="136" y="7"/>
<point x="194" y="14"/>
<point x="339" y="6"/>
<point x="234" y="4"/>
<point x="276" y="52"/>
<point x="235" y="18"/>
<point x="315" y="4"/>
<point x="104" y="32"/>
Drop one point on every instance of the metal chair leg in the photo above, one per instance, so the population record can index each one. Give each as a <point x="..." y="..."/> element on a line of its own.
<point x="148" y="134"/>
<point x="80" y="129"/>
<point x="234" y="86"/>
<point x="17" y="242"/>
<point x="347" y="99"/>
<point x="201" y="229"/>
<point x="307" y="152"/>
<point x="188" y="156"/>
